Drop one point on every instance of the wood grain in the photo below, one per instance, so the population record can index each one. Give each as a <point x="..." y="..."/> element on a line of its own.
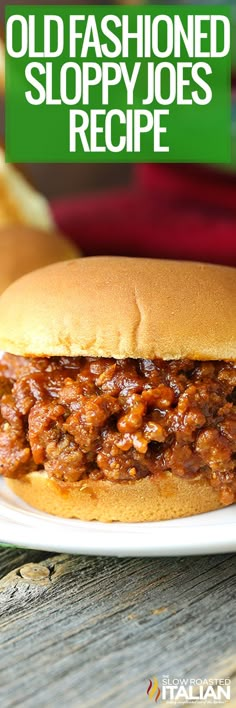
<point x="78" y="631"/>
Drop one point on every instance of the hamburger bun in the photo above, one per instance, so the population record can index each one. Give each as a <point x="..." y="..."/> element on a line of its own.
<point x="147" y="499"/>
<point x="28" y="235"/>
<point x="25" y="248"/>
<point x="20" y="203"/>
<point x="121" y="307"/>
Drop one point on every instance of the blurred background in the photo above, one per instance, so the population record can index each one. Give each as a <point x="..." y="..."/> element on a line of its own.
<point x="179" y="211"/>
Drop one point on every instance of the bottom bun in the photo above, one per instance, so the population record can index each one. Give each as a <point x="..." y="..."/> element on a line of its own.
<point x="149" y="499"/>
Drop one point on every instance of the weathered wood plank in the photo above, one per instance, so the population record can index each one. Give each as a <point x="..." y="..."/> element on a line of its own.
<point x="11" y="558"/>
<point x="78" y="631"/>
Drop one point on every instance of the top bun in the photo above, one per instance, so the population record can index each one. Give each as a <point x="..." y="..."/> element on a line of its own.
<point x="24" y="249"/>
<point x="122" y="307"/>
<point x="20" y="203"/>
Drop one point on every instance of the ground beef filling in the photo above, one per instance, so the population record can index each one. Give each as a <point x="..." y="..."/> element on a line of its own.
<point x="119" y="419"/>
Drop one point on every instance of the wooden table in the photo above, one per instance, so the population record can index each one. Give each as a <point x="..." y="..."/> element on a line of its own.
<point x="79" y="631"/>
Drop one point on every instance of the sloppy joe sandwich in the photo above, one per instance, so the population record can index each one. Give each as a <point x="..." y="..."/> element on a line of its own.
<point x="28" y="235"/>
<point x="25" y="248"/>
<point x="118" y="388"/>
<point x="20" y="203"/>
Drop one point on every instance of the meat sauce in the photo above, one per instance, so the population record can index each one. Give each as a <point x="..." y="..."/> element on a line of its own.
<point x="119" y="420"/>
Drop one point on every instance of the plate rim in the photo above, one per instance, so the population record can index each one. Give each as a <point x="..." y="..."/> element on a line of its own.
<point x="23" y="526"/>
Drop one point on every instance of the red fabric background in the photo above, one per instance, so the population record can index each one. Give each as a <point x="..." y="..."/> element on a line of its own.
<point x="168" y="211"/>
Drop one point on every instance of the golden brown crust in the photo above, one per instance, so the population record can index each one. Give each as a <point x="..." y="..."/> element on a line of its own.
<point x="20" y="203"/>
<point x="149" y="499"/>
<point x="122" y="307"/>
<point x="24" y="248"/>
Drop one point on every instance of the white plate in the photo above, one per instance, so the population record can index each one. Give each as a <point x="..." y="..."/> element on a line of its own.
<point x="22" y="526"/>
